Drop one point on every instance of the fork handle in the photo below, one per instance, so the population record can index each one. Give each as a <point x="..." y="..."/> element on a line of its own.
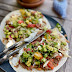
<point x="3" y="59"/>
<point x="2" y="53"/>
<point x="7" y="56"/>
<point x="7" y="49"/>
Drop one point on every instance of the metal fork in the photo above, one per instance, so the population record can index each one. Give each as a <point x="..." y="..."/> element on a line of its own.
<point x="17" y="49"/>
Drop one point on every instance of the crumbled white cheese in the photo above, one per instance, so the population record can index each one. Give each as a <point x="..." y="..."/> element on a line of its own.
<point x="32" y="30"/>
<point x="22" y="29"/>
<point x="42" y="40"/>
<point x="56" y="54"/>
<point x="11" y="42"/>
<point x="39" y="46"/>
<point x="34" y="64"/>
<point x="36" y="30"/>
<point x="45" y="63"/>
<point x="60" y="54"/>
<point x="40" y="21"/>
<point x="20" y="52"/>
<point x="61" y="31"/>
<point x="58" y="45"/>
<point x="65" y="54"/>
<point x="32" y="35"/>
<point x="15" y="17"/>
<point x="11" y="23"/>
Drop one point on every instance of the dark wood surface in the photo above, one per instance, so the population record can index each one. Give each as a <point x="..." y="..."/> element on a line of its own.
<point x="7" y="6"/>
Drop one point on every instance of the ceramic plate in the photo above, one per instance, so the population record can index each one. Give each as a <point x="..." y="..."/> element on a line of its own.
<point x="6" y="66"/>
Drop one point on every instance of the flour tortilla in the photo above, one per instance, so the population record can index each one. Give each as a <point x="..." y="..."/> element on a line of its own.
<point x="2" y="35"/>
<point x="21" y="69"/>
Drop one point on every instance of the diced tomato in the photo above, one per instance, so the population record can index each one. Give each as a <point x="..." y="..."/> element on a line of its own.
<point x="33" y="42"/>
<point x="42" y="43"/>
<point x="20" y="21"/>
<point x="24" y="17"/>
<point x="47" y="57"/>
<point x="52" y="60"/>
<point x="58" y="57"/>
<point x="11" y="26"/>
<point x="31" y="25"/>
<point x="19" y="61"/>
<point x="32" y="50"/>
<point x="24" y="49"/>
<point x="49" y="31"/>
<point x="40" y="40"/>
<point x="33" y="12"/>
<point x="41" y="58"/>
<point x="28" y="49"/>
<point x="10" y="37"/>
<point x="50" y="64"/>
<point x="57" y="63"/>
<point x="38" y="25"/>
<point x="42" y="15"/>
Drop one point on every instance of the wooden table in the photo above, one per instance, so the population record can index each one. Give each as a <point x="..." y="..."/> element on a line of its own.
<point x="7" y="6"/>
